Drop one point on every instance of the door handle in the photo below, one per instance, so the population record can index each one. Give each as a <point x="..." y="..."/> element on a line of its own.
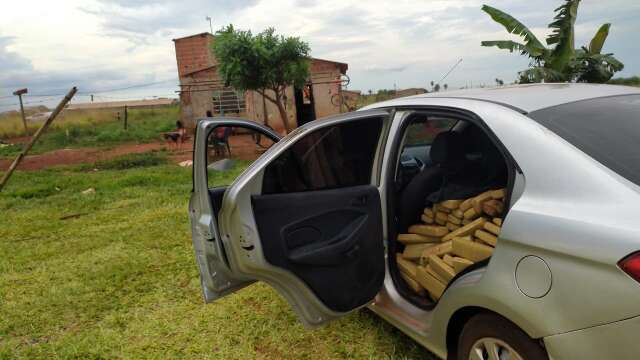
<point x="361" y="200"/>
<point x="336" y="250"/>
<point x="353" y="252"/>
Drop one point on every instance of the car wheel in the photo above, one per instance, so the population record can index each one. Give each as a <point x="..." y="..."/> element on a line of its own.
<point x="492" y="337"/>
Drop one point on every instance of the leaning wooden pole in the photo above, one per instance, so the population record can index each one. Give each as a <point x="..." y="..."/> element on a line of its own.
<point x="24" y="118"/>
<point x="37" y="135"/>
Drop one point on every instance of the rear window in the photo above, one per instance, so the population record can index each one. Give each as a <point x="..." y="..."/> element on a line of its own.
<point x="607" y="129"/>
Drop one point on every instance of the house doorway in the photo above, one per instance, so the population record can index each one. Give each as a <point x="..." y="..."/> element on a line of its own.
<point x="305" y="105"/>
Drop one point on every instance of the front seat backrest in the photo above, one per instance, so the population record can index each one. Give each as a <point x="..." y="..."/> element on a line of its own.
<point x="447" y="148"/>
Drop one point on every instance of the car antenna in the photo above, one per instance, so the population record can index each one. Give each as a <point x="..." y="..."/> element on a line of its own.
<point x="450" y="71"/>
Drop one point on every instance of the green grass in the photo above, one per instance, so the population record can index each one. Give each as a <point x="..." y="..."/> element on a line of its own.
<point x="129" y="161"/>
<point x="100" y="130"/>
<point x="111" y="275"/>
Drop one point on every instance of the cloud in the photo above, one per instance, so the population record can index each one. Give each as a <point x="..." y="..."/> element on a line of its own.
<point x="140" y="18"/>
<point x="11" y="62"/>
<point x="376" y="68"/>
<point x="17" y="71"/>
<point x="102" y="44"/>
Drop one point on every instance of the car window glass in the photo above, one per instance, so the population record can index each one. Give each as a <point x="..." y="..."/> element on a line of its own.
<point x="423" y="130"/>
<point x="607" y="129"/>
<point x="331" y="157"/>
<point x="230" y="150"/>
<point x="419" y="136"/>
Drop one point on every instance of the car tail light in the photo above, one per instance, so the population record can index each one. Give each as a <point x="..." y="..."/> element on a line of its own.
<point x="631" y="265"/>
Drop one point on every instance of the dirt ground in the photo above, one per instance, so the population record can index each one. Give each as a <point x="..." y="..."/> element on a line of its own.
<point x="242" y="147"/>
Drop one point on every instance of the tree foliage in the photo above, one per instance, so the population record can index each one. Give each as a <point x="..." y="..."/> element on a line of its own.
<point x="266" y="62"/>
<point x="560" y="61"/>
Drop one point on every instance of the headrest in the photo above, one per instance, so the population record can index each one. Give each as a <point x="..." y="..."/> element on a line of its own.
<point x="447" y="147"/>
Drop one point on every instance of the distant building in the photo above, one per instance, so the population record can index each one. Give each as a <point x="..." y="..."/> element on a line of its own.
<point x="202" y="92"/>
<point x="409" y="92"/>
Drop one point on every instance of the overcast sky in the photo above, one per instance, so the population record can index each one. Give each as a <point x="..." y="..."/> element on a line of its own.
<point x="101" y="45"/>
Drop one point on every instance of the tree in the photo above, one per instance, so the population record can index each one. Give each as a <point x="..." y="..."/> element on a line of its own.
<point x="561" y="61"/>
<point x="592" y="65"/>
<point x="499" y="82"/>
<point x="267" y="63"/>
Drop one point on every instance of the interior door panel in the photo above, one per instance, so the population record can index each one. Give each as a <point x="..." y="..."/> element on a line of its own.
<point x="331" y="239"/>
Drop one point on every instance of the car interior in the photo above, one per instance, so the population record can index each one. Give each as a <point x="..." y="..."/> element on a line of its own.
<point x="441" y="158"/>
<point x="318" y="206"/>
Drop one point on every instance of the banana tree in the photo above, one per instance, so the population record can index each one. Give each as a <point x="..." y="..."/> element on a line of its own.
<point x="591" y="64"/>
<point x="558" y="60"/>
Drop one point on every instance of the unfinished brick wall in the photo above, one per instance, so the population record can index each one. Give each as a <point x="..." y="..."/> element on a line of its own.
<point x="193" y="53"/>
<point x="198" y="78"/>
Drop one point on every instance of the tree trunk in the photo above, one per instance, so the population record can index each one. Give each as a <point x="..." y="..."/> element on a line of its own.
<point x="265" y="116"/>
<point x="283" y="112"/>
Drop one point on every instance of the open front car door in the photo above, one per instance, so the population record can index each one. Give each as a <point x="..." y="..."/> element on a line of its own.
<point x="306" y="217"/>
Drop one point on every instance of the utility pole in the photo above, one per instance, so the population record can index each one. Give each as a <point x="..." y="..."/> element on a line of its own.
<point x="210" y="24"/>
<point x="19" y="94"/>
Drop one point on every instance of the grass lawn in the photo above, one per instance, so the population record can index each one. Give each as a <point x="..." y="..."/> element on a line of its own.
<point x="96" y="129"/>
<point x="110" y="274"/>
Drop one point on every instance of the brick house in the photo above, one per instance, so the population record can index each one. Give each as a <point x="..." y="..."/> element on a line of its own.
<point x="202" y="92"/>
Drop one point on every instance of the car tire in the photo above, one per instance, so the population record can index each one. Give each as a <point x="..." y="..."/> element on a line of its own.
<point x="488" y="332"/>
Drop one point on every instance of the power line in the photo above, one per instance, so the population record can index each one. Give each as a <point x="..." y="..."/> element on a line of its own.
<point x="26" y="103"/>
<point x="48" y="97"/>
<point x="126" y="88"/>
<point x="123" y="98"/>
<point x="100" y="91"/>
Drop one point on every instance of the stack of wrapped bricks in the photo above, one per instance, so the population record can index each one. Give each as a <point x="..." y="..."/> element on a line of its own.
<point x="455" y="234"/>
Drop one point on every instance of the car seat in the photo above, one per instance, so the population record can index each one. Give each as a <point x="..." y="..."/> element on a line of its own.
<point x="454" y="173"/>
<point x="447" y="154"/>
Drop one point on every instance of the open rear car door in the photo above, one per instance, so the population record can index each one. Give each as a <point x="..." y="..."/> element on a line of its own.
<point x="216" y="278"/>
<point x="305" y="218"/>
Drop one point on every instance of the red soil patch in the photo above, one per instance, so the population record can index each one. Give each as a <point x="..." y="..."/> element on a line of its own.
<point x="242" y="147"/>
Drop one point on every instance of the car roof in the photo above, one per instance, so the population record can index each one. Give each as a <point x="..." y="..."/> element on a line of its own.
<point x="524" y="98"/>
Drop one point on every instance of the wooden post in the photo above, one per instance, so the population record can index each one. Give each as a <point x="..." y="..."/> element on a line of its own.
<point x="19" y="93"/>
<point x="126" y="115"/>
<point x="24" y="118"/>
<point x="36" y="136"/>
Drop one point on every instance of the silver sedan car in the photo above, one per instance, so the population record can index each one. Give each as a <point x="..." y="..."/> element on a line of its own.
<point x="317" y="217"/>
